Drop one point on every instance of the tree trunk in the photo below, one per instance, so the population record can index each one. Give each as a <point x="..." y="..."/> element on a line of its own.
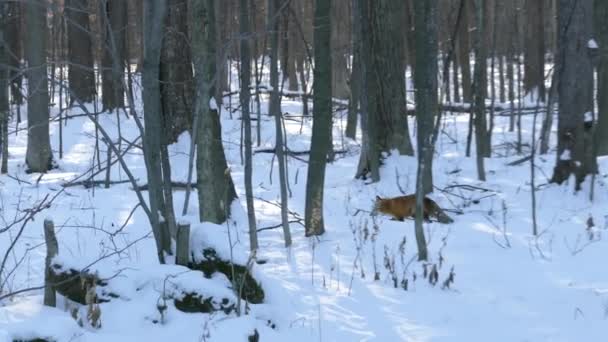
<point x="340" y="36"/>
<point x="215" y="187"/>
<point x="38" y="156"/>
<point x="355" y="75"/>
<point x="575" y="92"/>
<point x="244" y="96"/>
<point x="601" y="32"/>
<point x="322" y="119"/>
<point x="385" y="84"/>
<point x="114" y="24"/>
<point x="4" y="85"/>
<point x="534" y="49"/>
<point x="13" y="36"/>
<point x="463" y="53"/>
<point x="176" y="71"/>
<point x="275" y="110"/>
<point x="154" y="13"/>
<point x="481" y="141"/>
<point x="425" y="83"/>
<point x="81" y="74"/>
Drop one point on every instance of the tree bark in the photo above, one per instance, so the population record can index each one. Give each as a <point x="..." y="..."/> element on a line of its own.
<point x="355" y="75"/>
<point x="13" y="37"/>
<point x="534" y="49"/>
<point x="176" y="71"/>
<point x="425" y="82"/>
<point x="275" y="110"/>
<point x="81" y="75"/>
<point x="601" y="32"/>
<point x="385" y="84"/>
<point x="481" y="141"/>
<point x="215" y="187"/>
<point x="575" y="93"/>
<point x="154" y="13"/>
<point x="322" y="116"/>
<point x="463" y="45"/>
<point x="114" y="26"/>
<point x="38" y="156"/>
<point x="340" y="36"/>
<point x="4" y="85"/>
<point x="244" y="96"/>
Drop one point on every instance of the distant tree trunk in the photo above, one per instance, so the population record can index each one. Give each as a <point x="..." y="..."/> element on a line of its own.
<point x="425" y="83"/>
<point x="463" y="53"/>
<point x="244" y="96"/>
<point x="385" y="87"/>
<point x="355" y="75"/>
<point x="114" y="24"/>
<point x="601" y="32"/>
<point x="216" y="189"/>
<point x="322" y="119"/>
<point x="81" y="75"/>
<point x="275" y="110"/>
<point x="176" y="71"/>
<point x="4" y="85"/>
<point x="154" y="13"/>
<point x="575" y="93"/>
<point x="481" y="141"/>
<point x="534" y="50"/>
<point x="13" y="37"/>
<point x="340" y="35"/>
<point x="294" y="48"/>
<point x="38" y="156"/>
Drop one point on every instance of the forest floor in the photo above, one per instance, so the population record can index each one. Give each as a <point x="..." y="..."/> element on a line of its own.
<point x="508" y="284"/>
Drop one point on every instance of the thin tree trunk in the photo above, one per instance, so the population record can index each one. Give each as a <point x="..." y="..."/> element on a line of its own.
<point x="4" y="88"/>
<point x="114" y="22"/>
<point x="534" y="49"/>
<point x="425" y="82"/>
<point x="216" y="189"/>
<point x="81" y="75"/>
<point x="478" y="91"/>
<point x="322" y="119"/>
<point x="355" y="75"/>
<point x="38" y="156"/>
<point x="244" y="96"/>
<point x="601" y="31"/>
<point x="13" y="36"/>
<point x="154" y="13"/>
<point x="275" y="110"/>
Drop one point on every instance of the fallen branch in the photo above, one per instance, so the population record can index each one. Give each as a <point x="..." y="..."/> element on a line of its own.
<point x="174" y="185"/>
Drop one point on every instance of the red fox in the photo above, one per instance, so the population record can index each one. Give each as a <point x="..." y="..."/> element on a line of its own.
<point x="405" y="206"/>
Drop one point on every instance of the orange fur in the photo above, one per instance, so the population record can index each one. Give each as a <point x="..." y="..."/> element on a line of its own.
<point x="405" y="206"/>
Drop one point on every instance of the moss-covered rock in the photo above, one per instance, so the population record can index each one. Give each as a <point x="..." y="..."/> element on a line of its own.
<point x="72" y="284"/>
<point x="251" y="290"/>
<point x="195" y="302"/>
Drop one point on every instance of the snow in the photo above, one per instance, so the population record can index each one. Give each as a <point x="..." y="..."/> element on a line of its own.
<point x="592" y="44"/>
<point x="509" y="285"/>
<point x="212" y="104"/>
<point x="565" y="155"/>
<point x="588" y="117"/>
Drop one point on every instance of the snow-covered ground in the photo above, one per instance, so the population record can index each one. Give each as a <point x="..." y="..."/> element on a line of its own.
<point x="508" y="285"/>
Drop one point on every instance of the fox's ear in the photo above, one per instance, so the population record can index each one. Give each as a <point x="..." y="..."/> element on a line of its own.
<point x="378" y="197"/>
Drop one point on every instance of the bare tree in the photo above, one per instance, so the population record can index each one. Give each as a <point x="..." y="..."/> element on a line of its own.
<point x="322" y="116"/>
<point x="382" y="58"/>
<point x="176" y="71"/>
<point x="154" y="13"/>
<point x="244" y="96"/>
<point x="534" y="49"/>
<point x="600" y="11"/>
<point x="479" y="87"/>
<point x="13" y="38"/>
<point x="81" y="75"/>
<point x="215" y="187"/>
<point x="275" y="110"/>
<point x="38" y="156"/>
<point x="425" y="83"/>
<point x="114" y="26"/>
<point x="575" y="92"/>
<point x="4" y="86"/>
